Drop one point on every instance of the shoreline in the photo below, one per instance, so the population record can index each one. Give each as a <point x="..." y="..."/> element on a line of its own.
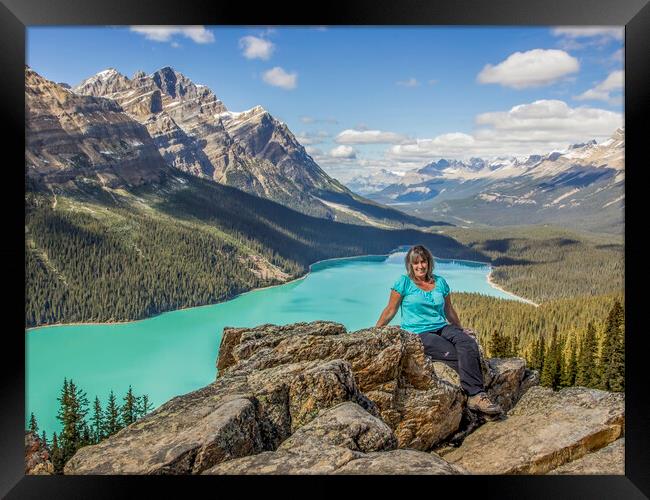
<point x="494" y="285"/>
<point x="108" y="323"/>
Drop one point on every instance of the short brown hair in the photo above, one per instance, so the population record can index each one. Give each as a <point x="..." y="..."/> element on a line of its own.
<point x="422" y="252"/>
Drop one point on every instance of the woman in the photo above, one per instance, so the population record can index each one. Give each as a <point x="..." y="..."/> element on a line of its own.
<point x="426" y="310"/>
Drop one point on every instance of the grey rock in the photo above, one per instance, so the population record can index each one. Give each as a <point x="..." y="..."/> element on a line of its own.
<point x="543" y="431"/>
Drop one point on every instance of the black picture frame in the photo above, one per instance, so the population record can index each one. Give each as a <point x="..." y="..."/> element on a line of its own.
<point x="16" y="15"/>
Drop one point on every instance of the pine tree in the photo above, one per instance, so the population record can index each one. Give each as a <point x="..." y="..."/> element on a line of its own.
<point x="97" y="422"/>
<point x="586" y="374"/>
<point x="551" y="372"/>
<point x="57" y="455"/>
<point x="44" y="439"/>
<point x="569" y="369"/>
<point x="144" y="406"/>
<point x="72" y="413"/>
<point x="33" y="426"/>
<point x="129" y="408"/>
<point x="112" y="422"/>
<point x="612" y="360"/>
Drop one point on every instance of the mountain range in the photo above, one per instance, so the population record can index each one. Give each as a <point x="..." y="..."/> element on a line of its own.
<point x="251" y="150"/>
<point x="580" y="187"/>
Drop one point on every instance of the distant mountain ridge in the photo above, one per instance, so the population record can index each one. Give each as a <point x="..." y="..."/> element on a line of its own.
<point x="250" y="150"/>
<point x="580" y="186"/>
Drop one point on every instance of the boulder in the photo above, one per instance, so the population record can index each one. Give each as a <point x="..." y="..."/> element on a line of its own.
<point x="186" y="435"/>
<point x="37" y="456"/>
<point x="348" y="425"/>
<point x="508" y="374"/>
<point x="543" y="431"/>
<point x="608" y="460"/>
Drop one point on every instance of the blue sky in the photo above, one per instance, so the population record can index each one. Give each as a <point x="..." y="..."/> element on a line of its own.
<point x="364" y="98"/>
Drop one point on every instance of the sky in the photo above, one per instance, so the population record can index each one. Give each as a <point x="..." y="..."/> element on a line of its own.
<point x="361" y="99"/>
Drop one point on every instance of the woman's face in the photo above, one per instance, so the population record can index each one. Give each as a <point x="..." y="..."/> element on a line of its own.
<point x="419" y="266"/>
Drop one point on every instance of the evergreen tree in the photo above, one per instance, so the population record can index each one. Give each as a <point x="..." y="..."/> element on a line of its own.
<point x="569" y="369"/>
<point x="586" y="374"/>
<point x="57" y="455"/>
<point x="97" y="422"/>
<point x="144" y="406"/>
<point x="72" y="413"/>
<point x="551" y="372"/>
<point x="112" y="422"/>
<point x="33" y="426"/>
<point x="612" y="360"/>
<point x="44" y="439"/>
<point x="129" y="408"/>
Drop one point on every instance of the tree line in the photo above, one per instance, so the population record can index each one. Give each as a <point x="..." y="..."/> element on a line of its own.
<point x="84" y="424"/>
<point x="583" y="357"/>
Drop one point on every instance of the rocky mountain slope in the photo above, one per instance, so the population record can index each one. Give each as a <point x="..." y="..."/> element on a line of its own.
<point x="249" y="150"/>
<point x="68" y="136"/>
<point x="311" y="398"/>
<point x="582" y="186"/>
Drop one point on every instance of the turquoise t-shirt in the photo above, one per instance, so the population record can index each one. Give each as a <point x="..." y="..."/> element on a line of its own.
<point x="422" y="311"/>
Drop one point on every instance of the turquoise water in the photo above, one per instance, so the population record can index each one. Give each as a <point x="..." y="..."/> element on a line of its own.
<point x="175" y="352"/>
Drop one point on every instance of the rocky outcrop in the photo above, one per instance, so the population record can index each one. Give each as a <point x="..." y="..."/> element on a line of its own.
<point x="388" y="363"/>
<point x="344" y="439"/>
<point x="37" y="456"/>
<point x="420" y="399"/>
<point x="543" y="431"/>
<point x="233" y="417"/>
<point x="311" y="398"/>
<point x="69" y="136"/>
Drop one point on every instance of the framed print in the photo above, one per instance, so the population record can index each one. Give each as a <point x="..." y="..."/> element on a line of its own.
<point x="368" y="240"/>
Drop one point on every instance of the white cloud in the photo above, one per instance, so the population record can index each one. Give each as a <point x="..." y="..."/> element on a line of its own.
<point x="618" y="55"/>
<point x="432" y="82"/>
<point x="350" y="136"/>
<point x="581" y="37"/>
<point x="280" y="78"/>
<point x="256" y="48"/>
<point x="589" y="32"/>
<point x="411" y="82"/>
<point x="346" y="152"/>
<point x="533" y="68"/>
<point x="312" y="138"/>
<point x="602" y="91"/>
<point x="164" y="33"/>
<point x="535" y="128"/>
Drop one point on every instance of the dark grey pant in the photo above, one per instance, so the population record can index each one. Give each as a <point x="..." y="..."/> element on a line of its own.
<point x="460" y="351"/>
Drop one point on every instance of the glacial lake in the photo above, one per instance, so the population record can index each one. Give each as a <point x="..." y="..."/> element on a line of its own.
<point x="175" y="353"/>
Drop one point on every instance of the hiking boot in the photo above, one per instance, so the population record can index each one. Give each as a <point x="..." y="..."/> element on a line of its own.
<point x="481" y="402"/>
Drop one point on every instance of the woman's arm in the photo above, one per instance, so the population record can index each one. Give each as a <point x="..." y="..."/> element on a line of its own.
<point x="450" y="313"/>
<point x="390" y="310"/>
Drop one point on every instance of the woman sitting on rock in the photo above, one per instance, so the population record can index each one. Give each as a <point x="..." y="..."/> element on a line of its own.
<point x="427" y="311"/>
